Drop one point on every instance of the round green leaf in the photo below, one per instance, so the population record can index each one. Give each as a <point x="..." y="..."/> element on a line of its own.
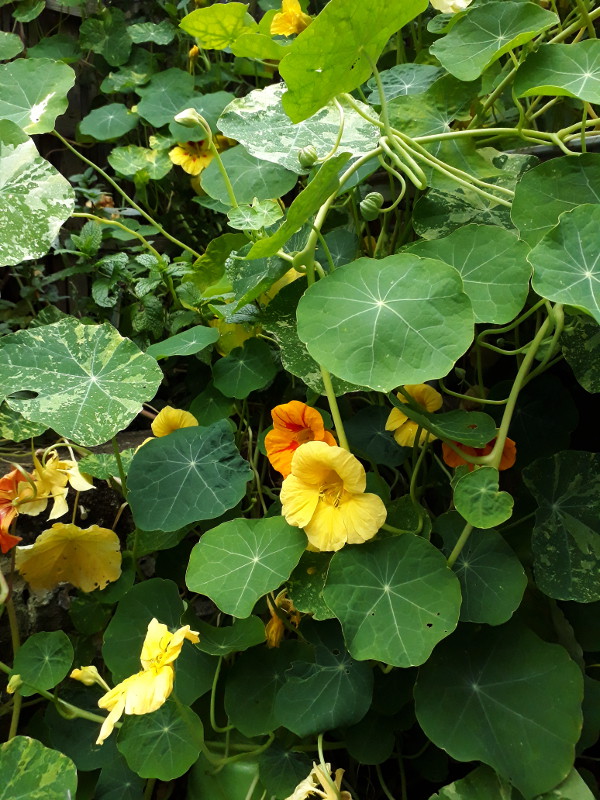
<point x="133" y="159"/>
<point x="35" y="199"/>
<point x="439" y="212"/>
<point x="107" y="35"/>
<point x="332" y="674"/>
<point x="231" y="639"/>
<point x="492" y="579"/>
<point x="396" y="599"/>
<point x="565" y="262"/>
<point x="163" y="744"/>
<point x="477" y="499"/>
<point x="104" y="465"/>
<point x="191" y="474"/>
<point x="260" y="123"/>
<point x="335" y="53"/>
<point x="245" y="369"/>
<point x="31" y="771"/>
<point x="493" y="266"/>
<point x="159" y="33"/>
<point x="473" y="428"/>
<point x="282" y="770"/>
<point x="187" y="343"/>
<point x="238" y="562"/>
<point x="60" y="47"/>
<point x="255" y="216"/>
<point x="368" y="322"/>
<point x="10" y="45"/>
<point x="33" y="92"/>
<point x="368" y="437"/>
<point x="562" y="69"/>
<point x="372" y="740"/>
<point x="550" y="188"/>
<point x="75" y="370"/>
<point x="488" y="32"/>
<point x="307" y="582"/>
<point x="15" y="427"/>
<point x="566" y="537"/>
<point x="580" y="342"/>
<point x="217" y="27"/>
<point x="483" y="696"/>
<point x="252" y="685"/>
<point x="118" y="782"/>
<point x="43" y="661"/>
<point x="108" y="122"/>
<point x="210" y="106"/>
<point x="250" y="177"/>
<point x="167" y="93"/>
<point x="211" y="406"/>
<point x="237" y="780"/>
<point x="403" y="79"/>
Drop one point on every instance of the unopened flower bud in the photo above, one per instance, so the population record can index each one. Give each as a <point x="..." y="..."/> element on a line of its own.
<point x="190" y="118"/>
<point x="371" y="206"/>
<point x="307" y="156"/>
<point x="89" y="676"/>
<point x="14" y="684"/>
<point x="193" y="52"/>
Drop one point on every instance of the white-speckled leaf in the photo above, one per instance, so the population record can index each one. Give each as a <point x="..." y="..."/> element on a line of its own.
<point x="259" y="122"/>
<point x="15" y="427"/>
<point x="89" y="381"/>
<point x="35" y="200"/>
<point x="33" y="92"/>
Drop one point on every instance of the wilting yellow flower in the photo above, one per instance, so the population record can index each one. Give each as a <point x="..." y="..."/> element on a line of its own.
<point x="193" y="157"/>
<point x="147" y="690"/>
<point x="325" y="495"/>
<point x="172" y="419"/>
<point x="450" y="6"/>
<point x="405" y="429"/>
<point x="290" y="276"/>
<point x="275" y="628"/>
<point x="291" y="19"/>
<point x="89" y="676"/>
<point x="89" y="559"/>
<point x="319" y="784"/>
<point x="231" y="335"/>
<point x="50" y="477"/>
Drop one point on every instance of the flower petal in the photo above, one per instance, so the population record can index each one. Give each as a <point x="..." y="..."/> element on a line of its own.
<point x="172" y="419"/>
<point x="364" y="514"/>
<point x="314" y="461"/>
<point x="327" y="530"/>
<point x="298" y="500"/>
<point x="396" y="418"/>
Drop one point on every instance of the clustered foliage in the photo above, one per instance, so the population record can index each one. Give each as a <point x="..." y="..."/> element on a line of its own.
<point x="324" y="276"/>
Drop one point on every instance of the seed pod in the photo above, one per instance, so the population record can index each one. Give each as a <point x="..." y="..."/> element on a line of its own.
<point x="307" y="156"/>
<point x="371" y="206"/>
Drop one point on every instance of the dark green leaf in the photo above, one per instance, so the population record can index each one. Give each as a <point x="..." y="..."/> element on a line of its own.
<point x="43" y="661"/>
<point x="246" y="369"/>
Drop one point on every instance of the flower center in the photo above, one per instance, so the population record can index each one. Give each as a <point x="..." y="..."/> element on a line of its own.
<point x="331" y="489"/>
<point x="305" y="435"/>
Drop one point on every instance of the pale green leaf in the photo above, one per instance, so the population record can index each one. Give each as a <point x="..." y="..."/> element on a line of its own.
<point x="478" y="500"/>
<point x="159" y="33"/>
<point x="10" y="45"/>
<point x="493" y="266"/>
<point x="107" y="35"/>
<point x="403" y="79"/>
<point x="238" y="562"/>
<point x="260" y="123"/>
<point x="89" y="381"/>
<point x="562" y="69"/>
<point x="132" y="159"/>
<point x="335" y="53"/>
<point x="258" y="46"/>
<point x="108" y="122"/>
<point x="255" y="216"/>
<point x="250" y="177"/>
<point x="187" y="343"/>
<point x="565" y="262"/>
<point x="167" y="93"/>
<point x="15" y="427"/>
<point x="33" y="92"/>
<point x="368" y="323"/>
<point x="218" y="26"/>
<point x="488" y="32"/>
<point x="396" y="599"/>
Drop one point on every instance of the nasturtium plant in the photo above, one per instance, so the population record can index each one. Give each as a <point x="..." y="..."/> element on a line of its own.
<point x="298" y="353"/>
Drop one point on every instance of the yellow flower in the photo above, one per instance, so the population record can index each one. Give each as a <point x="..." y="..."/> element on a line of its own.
<point x="50" y="477"/>
<point x="147" y="690"/>
<point x="275" y="628"/>
<point x="171" y="419"/>
<point x="231" y="335"/>
<point x="89" y="559"/>
<point x="89" y="676"/>
<point x="325" y="495"/>
<point x="405" y="429"/>
<point x="290" y="276"/>
<point x="291" y="19"/>
<point x="193" y="157"/>
<point x="320" y="783"/>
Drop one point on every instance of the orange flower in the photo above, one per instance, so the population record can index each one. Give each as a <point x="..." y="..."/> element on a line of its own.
<point x="294" y="423"/>
<point x="452" y="459"/>
<point x="10" y="486"/>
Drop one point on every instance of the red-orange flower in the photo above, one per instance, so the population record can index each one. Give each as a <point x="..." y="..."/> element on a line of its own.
<point x="9" y="491"/>
<point x="294" y="423"/>
<point x="452" y="458"/>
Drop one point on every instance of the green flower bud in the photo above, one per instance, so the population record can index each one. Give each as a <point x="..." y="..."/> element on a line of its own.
<point x="371" y="206"/>
<point x="308" y="156"/>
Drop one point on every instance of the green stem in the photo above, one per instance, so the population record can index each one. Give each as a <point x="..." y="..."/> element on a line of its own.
<point x="226" y="180"/>
<point x="16" y="712"/>
<point x="126" y="197"/>
<point x="213" y="723"/>
<point x="334" y="408"/>
<point x="325" y="770"/>
<point x="120" y="467"/>
<point x="149" y="788"/>
<point x="564" y="34"/>
<point x="462" y="540"/>
<point x="116" y="224"/>
<point x="383" y="784"/>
